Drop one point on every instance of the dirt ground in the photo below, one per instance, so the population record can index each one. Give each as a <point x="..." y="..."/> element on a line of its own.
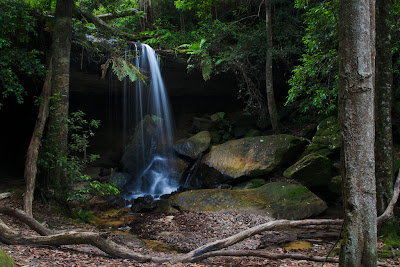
<point x="154" y="234"/>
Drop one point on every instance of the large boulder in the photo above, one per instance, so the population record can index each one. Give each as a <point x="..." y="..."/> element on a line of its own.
<point x="254" y="156"/>
<point x="327" y="140"/>
<point x="192" y="147"/>
<point x="278" y="199"/>
<point x="6" y="260"/>
<point x="313" y="171"/>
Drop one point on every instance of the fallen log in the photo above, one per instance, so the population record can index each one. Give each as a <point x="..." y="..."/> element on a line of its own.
<point x="212" y="249"/>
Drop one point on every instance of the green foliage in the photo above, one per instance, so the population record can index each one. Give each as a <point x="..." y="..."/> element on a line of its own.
<point x="84" y="215"/>
<point x="314" y="82"/>
<point x="235" y="37"/>
<point x="165" y="35"/>
<point x="80" y="130"/>
<point x="72" y="165"/>
<point x="202" y="7"/>
<point x="17" y="60"/>
<point x="198" y="52"/>
<point x="122" y="68"/>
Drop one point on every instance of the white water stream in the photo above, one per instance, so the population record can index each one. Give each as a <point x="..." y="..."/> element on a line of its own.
<point x="143" y="98"/>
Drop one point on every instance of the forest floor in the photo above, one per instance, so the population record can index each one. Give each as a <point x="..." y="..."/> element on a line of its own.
<point x="160" y="235"/>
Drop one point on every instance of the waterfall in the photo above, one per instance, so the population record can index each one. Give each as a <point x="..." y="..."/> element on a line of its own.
<point x="146" y="112"/>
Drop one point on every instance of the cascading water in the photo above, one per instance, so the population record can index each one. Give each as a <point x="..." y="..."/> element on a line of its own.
<point x="145" y="109"/>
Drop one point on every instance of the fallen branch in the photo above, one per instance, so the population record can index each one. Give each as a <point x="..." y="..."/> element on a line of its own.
<point x="100" y="241"/>
<point x="23" y="217"/>
<point x="264" y="254"/>
<point x="118" y="14"/>
<point x="389" y="210"/>
<point x="273" y="256"/>
<point x="229" y="241"/>
<point x="101" y="24"/>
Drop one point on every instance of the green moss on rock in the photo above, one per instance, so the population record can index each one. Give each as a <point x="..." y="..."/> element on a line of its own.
<point x="6" y="260"/>
<point x="313" y="170"/>
<point x="327" y="140"/>
<point x="279" y="199"/>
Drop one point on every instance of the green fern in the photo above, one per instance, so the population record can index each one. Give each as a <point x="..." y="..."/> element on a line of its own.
<point x="198" y="53"/>
<point x="122" y="69"/>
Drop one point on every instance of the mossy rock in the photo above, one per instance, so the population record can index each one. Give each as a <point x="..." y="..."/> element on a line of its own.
<point x="254" y="156"/>
<point x="278" y="199"/>
<point x="6" y="260"/>
<point x="193" y="146"/>
<point x="313" y="170"/>
<point x="327" y="140"/>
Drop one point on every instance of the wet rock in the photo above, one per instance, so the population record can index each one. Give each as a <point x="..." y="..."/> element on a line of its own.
<point x="279" y="199"/>
<point x="313" y="171"/>
<point x="254" y="156"/>
<point x="144" y="204"/>
<point x="202" y="176"/>
<point x="145" y="140"/>
<point x="193" y="146"/>
<point x="117" y="201"/>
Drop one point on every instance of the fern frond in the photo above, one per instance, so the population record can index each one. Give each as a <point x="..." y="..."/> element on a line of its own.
<point x="122" y="69"/>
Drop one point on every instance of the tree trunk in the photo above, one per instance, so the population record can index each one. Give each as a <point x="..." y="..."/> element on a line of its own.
<point x="356" y="120"/>
<point x="273" y="114"/>
<point x="61" y="50"/>
<point x="34" y="145"/>
<point x="383" y="108"/>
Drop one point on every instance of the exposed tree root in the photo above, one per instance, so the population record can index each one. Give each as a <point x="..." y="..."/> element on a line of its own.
<point x="100" y="240"/>
<point x="212" y="249"/>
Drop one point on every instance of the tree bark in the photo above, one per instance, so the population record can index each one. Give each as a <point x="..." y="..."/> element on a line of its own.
<point x="273" y="114"/>
<point x="34" y="145"/>
<point x="100" y="23"/>
<point x="356" y="120"/>
<point x="61" y="49"/>
<point x="383" y="109"/>
<point x="118" y="14"/>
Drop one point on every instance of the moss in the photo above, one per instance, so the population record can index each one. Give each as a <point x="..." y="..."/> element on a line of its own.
<point x="257" y="182"/>
<point x="298" y="191"/>
<point x="313" y="170"/>
<point x="281" y="200"/>
<point x="6" y="260"/>
<point x="390" y="236"/>
<point x="327" y="139"/>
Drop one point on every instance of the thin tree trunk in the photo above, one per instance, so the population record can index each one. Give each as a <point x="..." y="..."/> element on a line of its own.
<point x="383" y="107"/>
<point x="273" y="114"/>
<point x="356" y="120"/>
<point x="34" y="145"/>
<point x="61" y="49"/>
